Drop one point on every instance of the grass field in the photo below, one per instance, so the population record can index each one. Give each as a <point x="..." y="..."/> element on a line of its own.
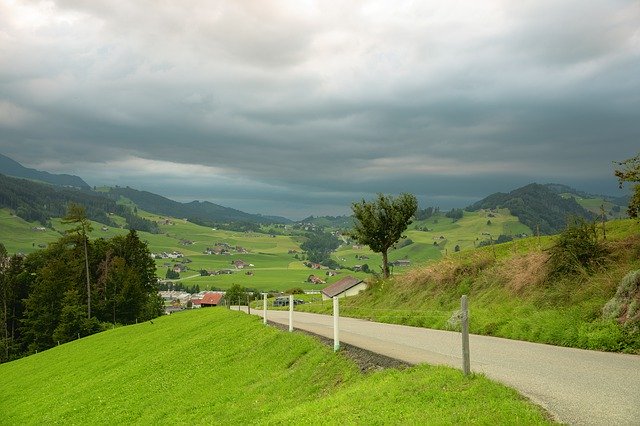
<point x="215" y="366"/>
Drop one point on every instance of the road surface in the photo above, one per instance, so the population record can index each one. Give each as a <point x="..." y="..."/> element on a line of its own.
<point x="576" y="386"/>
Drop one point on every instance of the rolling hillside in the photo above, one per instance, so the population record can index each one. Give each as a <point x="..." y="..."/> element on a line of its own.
<point x="216" y="366"/>
<point x="202" y="212"/>
<point x="536" y="206"/>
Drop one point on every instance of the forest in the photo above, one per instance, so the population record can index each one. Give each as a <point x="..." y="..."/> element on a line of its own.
<point x="46" y="298"/>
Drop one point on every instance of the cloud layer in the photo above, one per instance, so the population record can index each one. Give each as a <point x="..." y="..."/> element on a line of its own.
<point x="301" y="107"/>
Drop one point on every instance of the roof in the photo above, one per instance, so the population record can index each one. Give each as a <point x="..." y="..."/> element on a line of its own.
<point x="211" y="299"/>
<point x="341" y="286"/>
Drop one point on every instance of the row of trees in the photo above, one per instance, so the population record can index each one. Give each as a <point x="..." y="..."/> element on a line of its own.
<point x="74" y="288"/>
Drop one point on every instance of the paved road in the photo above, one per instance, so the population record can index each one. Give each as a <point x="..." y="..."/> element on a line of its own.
<point x="576" y="386"/>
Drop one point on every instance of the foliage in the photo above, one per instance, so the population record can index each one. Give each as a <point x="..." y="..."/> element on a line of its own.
<point x="454" y="214"/>
<point x="171" y="274"/>
<point x="319" y="246"/>
<point x="625" y="305"/>
<point x="43" y="295"/>
<point x="295" y="290"/>
<point x="423" y="214"/>
<point x="380" y="223"/>
<point x="630" y="172"/>
<point x="577" y="249"/>
<point x="236" y="295"/>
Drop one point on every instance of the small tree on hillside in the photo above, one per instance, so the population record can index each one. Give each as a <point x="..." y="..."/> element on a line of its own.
<point x="380" y="223"/>
<point x="630" y="172"/>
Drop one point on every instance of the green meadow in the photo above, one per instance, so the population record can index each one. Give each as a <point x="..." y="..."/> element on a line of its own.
<point x="274" y="267"/>
<point x="216" y="366"/>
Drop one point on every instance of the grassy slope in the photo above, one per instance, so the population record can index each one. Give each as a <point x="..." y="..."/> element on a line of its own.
<point x="509" y="295"/>
<point x="218" y="366"/>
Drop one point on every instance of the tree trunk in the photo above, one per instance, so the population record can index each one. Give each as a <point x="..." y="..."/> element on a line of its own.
<point x="385" y="265"/>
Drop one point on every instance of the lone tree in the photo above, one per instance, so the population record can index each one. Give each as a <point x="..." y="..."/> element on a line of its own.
<point x="380" y="223"/>
<point x="630" y="172"/>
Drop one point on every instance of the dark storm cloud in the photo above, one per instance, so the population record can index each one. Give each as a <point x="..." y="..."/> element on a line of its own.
<point x="300" y="108"/>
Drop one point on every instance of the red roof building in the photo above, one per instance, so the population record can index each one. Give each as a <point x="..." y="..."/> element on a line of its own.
<point x="211" y="299"/>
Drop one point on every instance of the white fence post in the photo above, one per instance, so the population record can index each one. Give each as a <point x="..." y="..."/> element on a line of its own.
<point x="336" y="331"/>
<point x="291" y="312"/>
<point x="466" y="363"/>
<point x="264" y="307"/>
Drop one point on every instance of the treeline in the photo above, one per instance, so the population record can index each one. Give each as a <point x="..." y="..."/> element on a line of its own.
<point x="537" y="207"/>
<point x="33" y="201"/>
<point x="43" y="296"/>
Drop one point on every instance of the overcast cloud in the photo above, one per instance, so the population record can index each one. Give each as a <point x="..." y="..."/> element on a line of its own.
<point x="301" y="107"/>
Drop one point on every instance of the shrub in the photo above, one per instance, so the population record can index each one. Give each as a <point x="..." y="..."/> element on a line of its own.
<point x="294" y="290"/>
<point x="625" y="305"/>
<point x="577" y="249"/>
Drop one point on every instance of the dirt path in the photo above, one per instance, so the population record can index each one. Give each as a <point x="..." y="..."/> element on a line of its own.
<point x="576" y="386"/>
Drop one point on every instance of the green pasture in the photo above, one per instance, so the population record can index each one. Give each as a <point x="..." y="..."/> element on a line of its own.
<point x="217" y="366"/>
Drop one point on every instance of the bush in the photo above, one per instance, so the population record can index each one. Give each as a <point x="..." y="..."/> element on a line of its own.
<point x="577" y="249"/>
<point x="295" y="290"/>
<point x="625" y="305"/>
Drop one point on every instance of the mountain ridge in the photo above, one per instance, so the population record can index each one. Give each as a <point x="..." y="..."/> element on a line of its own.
<point x="12" y="168"/>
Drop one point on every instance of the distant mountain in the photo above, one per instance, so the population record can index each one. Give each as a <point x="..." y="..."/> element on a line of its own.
<point x="36" y="201"/>
<point x="201" y="212"/>
<point x="536" y="206"/>
<point x="10" y="167"/>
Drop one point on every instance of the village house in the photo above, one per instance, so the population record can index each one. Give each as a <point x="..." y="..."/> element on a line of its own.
<point x="212" y="299"/>
<point x="401" y="262"/>
<point x="348" y="286"/>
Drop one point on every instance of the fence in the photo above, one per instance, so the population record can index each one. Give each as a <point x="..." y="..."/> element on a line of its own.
<point x="459" y="318"/>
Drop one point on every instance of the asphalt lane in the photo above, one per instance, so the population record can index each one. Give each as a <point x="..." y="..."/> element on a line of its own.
<point x="576" y="386"/>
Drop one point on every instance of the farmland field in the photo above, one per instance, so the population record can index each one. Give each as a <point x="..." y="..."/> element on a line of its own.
<point x="273" y="261"/>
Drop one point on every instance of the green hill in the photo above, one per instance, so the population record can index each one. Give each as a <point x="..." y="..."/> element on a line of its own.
<point x="35" y="201"/>
<point x="536" y="206"/>
<point x="201" y="212"/>
<point x="215" y="366"/>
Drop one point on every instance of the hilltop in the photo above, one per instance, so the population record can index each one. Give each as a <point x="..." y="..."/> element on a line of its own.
<point x="220" y="366"/>
<point x="536" y="206"/>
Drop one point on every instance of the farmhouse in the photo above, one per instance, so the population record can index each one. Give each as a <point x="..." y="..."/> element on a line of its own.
<point x="211" y="299"/>
<point x="348" y="286"/>
<point x="401" y="262"/>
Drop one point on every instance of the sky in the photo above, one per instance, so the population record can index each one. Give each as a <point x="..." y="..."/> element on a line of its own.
<point x="302" y="107"/>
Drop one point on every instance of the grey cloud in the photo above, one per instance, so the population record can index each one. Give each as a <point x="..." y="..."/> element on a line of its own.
<point x="314" y="108"/>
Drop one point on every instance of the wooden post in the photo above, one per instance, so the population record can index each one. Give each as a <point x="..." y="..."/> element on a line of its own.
<point x="264" y="308"/>
<point x="290" y="312"/>
<point x="466" y="363"/>
<point x="336" y="329"/>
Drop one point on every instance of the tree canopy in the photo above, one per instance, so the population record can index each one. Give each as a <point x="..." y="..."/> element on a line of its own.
<point x="379" y="224"/>
<point x="630" y="172"/>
